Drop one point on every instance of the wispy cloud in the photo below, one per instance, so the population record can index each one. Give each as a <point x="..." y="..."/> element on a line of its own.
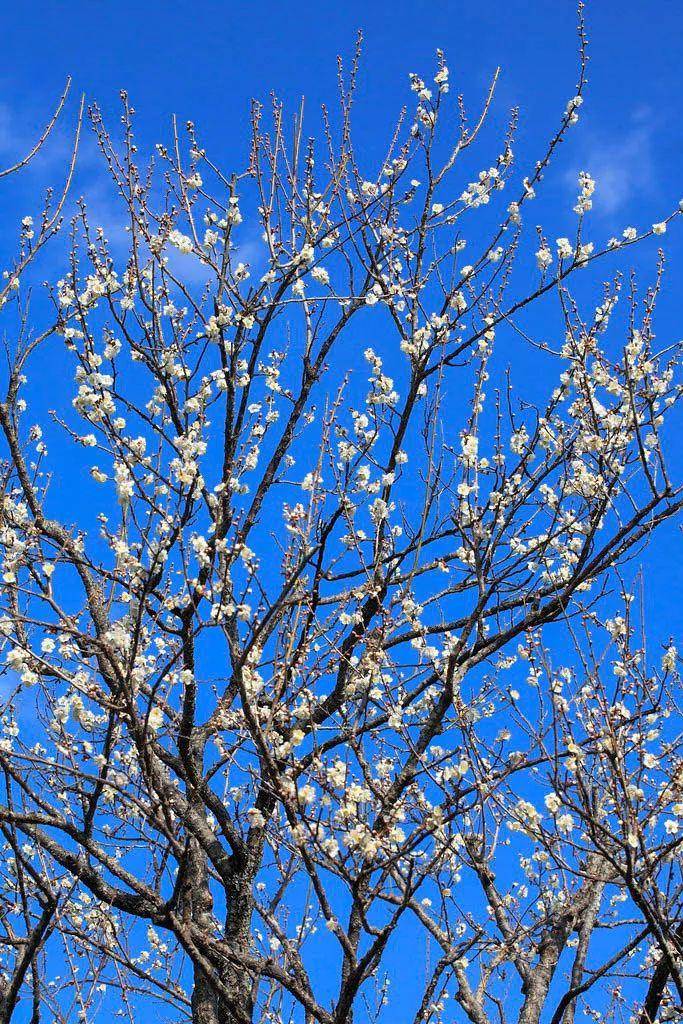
<point x="20" y="130"/>
<point x="6" y="129"/>
<point x="622" y="165"/>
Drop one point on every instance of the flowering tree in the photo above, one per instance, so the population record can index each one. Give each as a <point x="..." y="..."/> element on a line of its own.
<point x="317" y="648"/>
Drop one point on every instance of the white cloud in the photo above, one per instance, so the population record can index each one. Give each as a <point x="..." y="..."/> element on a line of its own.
<point x="622" y="166"/>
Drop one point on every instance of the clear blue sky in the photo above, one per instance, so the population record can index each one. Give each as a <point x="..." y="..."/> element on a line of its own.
<point x="205" y="61"/>
<point x="213" y="56"/>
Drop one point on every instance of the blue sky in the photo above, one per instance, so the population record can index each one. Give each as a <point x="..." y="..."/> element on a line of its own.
<point x="206" y="61"/>
<point x="209" y="58"/>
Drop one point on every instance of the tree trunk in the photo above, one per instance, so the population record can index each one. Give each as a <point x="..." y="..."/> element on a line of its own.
<point x="232" y="1003"/>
